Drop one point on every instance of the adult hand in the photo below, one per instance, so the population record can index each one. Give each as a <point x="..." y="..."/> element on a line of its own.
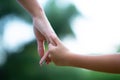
<point x="43" y="32"/>
<point x="40" y="44"/>
<point x="43" y="29"/>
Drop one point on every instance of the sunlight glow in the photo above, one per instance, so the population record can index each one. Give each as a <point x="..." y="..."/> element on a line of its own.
<point x="98" y="31"/>
<point x="17" y="33"/>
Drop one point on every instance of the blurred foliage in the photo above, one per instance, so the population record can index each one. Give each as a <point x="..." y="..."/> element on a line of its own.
<point x="24" y="64"/>
<point x="60" y="18"/>
<point x="9" y="8"/>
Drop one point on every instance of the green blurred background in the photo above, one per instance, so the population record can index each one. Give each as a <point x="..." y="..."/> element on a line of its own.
<point x="22" y="63"/>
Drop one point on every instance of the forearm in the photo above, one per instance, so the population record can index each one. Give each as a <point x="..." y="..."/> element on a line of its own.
<point x="103" y="63"/>
<point x="31" y="6"/>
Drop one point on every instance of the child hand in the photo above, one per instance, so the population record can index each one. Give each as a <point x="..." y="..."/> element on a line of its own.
<point x="58" y="53"/>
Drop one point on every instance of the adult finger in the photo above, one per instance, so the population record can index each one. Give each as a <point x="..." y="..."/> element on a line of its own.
<point x="40" y="48"/>
<point x="44" y="57"/>
<point x="40" y="42"/>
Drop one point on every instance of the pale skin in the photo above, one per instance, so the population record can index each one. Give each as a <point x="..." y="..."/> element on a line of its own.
<point x="62" y="56"/>
<point x="42" y="28"/>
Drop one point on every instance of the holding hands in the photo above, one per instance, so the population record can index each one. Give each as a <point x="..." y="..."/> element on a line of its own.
<point x="42" y="28"/>
<point x="57" y="52"/>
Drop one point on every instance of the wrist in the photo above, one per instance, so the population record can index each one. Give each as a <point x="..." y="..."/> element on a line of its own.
<point x="68" y="60"/>
<point x="32" y="6"/>
<point x="72" y="59"/>
<point x="37" y="14"/>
